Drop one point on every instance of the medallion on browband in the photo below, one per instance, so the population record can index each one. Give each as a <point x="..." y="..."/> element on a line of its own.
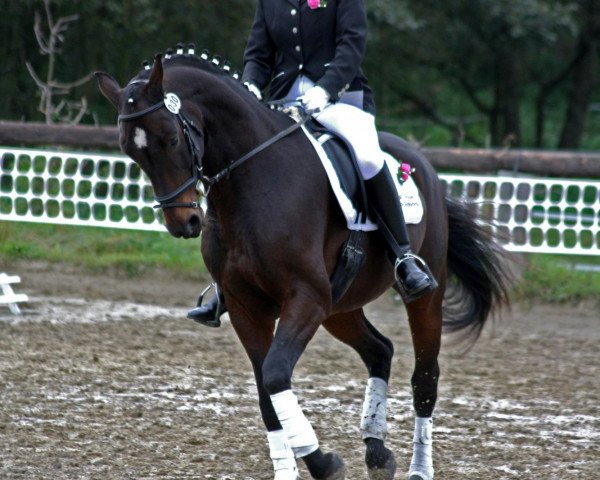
<point x="173" y="104"/>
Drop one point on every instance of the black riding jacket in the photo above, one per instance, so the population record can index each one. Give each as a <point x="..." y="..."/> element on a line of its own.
<point x="326" y="44"/>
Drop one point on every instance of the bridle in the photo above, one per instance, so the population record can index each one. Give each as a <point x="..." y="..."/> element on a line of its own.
<point x="172" y="103"/>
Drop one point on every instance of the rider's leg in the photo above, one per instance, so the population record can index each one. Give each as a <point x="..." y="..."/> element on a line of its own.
<point x="382" y="192"/>
<point x="358" y="128"/>
<point x="208" y="313"/>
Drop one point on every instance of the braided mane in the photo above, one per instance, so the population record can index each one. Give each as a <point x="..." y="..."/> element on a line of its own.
<point x="206" y="62"/>
<point x="188" y="57"/>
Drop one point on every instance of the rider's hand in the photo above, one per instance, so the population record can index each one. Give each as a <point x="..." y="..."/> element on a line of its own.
<point x="316" y="98"/>
<point x="254" y="89"/>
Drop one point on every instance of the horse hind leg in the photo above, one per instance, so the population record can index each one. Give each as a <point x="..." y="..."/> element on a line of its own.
<point x="425" y="319"/>
<point x="376" y="351"/>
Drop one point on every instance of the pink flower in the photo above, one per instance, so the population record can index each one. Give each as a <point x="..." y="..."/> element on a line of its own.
<point x="314" y="3"/>
<point x="405" y="171"/>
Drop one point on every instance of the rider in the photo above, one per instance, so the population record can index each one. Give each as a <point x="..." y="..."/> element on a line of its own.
<point x="313" y="50"/>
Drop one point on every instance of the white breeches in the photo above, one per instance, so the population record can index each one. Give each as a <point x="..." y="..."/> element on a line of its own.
<point x="350" y="122"/>
<point x="358" y="128"/>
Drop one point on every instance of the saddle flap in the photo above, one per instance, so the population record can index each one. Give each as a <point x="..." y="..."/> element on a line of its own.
<point x="341" y="167"/>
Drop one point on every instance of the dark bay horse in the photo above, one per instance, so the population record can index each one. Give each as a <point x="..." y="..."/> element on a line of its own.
<point x="272" y="234"/>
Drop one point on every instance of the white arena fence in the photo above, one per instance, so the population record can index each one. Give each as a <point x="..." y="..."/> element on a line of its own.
<point x="46" y="186"/>
<point x="544" y="215"/>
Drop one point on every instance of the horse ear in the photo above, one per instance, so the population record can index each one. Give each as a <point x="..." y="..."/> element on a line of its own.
<point x="154" y="86"/>
<point x="109" y="88"/>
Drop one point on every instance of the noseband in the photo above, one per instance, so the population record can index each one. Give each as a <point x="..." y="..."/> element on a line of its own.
<point x="172" y="103"/>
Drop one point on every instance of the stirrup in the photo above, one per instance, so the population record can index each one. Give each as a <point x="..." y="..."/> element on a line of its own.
<point x="407" y="256"/>
<point x="406" y="297"/>
<point x="203" y="292"/>
<point x="205" y="318"/>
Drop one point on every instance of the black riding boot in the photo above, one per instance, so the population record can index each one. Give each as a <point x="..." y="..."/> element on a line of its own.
<point x="208" y="313"/>
<point x="383" y="195"/>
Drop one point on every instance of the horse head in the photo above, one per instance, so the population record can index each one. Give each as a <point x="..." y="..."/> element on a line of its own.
<point x="167" y="146"/>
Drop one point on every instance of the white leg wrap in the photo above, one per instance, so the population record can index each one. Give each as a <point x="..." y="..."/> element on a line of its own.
<point x="300" y="434"/>
<point x="421" y="464"/>
<point x="282" y="455"/>
<point x="373" y="423"/>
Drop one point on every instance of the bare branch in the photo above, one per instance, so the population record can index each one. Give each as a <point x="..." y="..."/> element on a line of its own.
<point x="39" y="34"/>
<point x="36" y="79"/>
<point x="51" y="88"/>
<point x="62" y="25"/>
<point x="56" y="91"/>
<point x="58" y="108"/>
<point x="48" y="13"/>
<point x="81" y="113"/>
<point x="70" y="85"/>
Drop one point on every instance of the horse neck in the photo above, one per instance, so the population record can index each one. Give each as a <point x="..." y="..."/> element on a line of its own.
<point x="234" y="123"/>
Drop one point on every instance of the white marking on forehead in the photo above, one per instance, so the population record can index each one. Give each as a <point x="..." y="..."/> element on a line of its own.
<point x="140" y="138"/>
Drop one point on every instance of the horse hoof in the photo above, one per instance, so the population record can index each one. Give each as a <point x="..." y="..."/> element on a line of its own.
<point x="287" y="474"/>
<point x="419" y="476"/>
<point x="386" y="472"/>
<point x="336" y="470"/>
<point x="380" y="461"/>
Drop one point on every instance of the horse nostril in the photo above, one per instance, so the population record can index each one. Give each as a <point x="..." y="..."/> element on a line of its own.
<point x="194" y="225"/>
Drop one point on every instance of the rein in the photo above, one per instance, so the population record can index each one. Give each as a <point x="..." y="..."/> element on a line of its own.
<point x="172" y="103"/>
<point x="227" y="170"/>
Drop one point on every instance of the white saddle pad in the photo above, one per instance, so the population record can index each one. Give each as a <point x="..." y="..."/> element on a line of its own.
<point x="412" y="207"/>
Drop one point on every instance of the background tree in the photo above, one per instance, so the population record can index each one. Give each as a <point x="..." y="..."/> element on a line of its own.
<point x="68" y="111"/>
<point x="585" y="74"/>
<point x="461" y="72"/>
<point x="475" y="57"/>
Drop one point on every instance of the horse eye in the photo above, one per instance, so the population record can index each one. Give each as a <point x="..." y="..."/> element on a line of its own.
<point x="174" y="141"/>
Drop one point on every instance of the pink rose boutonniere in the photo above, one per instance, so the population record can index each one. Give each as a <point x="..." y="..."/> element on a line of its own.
<point x="314" y="4"/>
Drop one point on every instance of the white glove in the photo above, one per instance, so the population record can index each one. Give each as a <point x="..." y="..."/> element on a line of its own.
<point x="254" y="89"/>
<point x="316" y="98"/>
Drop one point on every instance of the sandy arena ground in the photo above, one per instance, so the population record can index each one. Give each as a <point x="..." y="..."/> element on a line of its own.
<point x="104" y="378"/>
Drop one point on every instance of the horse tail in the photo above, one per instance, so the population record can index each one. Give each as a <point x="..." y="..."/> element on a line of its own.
<point x="479" y="282"/>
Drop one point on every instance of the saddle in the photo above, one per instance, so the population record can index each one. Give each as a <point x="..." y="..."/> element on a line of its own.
<point x="346" y="168"/>
<point x="341" y="166"/>
<point x="344" y="162"/>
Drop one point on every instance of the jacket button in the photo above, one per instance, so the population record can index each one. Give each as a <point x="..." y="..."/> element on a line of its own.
<point x="297" y="48"/>
<point x="293" y="12"/>
<point x="295" y="30"/>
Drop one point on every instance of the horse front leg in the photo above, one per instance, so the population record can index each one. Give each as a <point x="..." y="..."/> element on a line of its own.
<point x="256" y="336"/>
<point x="425" y="318"/>
<point x="300" y="318"/>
